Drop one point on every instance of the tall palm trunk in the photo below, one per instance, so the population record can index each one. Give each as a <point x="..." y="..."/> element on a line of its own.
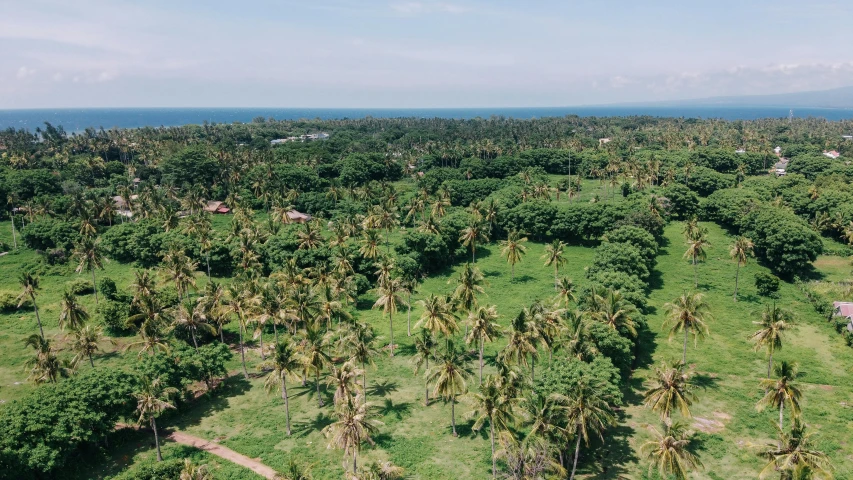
<point x="481" y="361"/>
<point x="769" y="363"/>
<point x="286" y="401"/>
<point x="364" y="379"/>
<point x="207" y="258"/>
<point x="38" y="318"/>
<point x="317" y="379"/>
<point x="391" y="325"/>
<point x="195" y="343"/>
<point x="556" y="274"/>
<point x="243" y="354"/>
<point x="91" y="362"/>
<point x="781" y="417"/>
<point x="354" y="461"/>
<point x="695" y="273"/>
<point x="409" y="315"/>
<point x="156" y="439"/>
<point x="684" y="352"/>
<point x="261" y="336"/>
<point x="426" y="387"/>
<point x="512" y="273"/>
<point x="453" y="414"/>
<point x="221" y="334"/>
<point x="14" y="236"/>
<point x="275" y="331"/>
<point x="94" y="287"/>
<point x="737" y="277"/>
<point x="577" y="453"/>
<point x="473" y="254"/>
<point x="494" y="460"/>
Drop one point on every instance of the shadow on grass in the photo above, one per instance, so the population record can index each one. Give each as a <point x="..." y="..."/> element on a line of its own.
<point x="610" y="461"/>
<point x="523" y="279"/>
<point x="704" y="381"/>
<point x="316" y="424"/>
<point x="212" y="402"/>
<point x="382" y="388"/>
<point x="388" y="408"/>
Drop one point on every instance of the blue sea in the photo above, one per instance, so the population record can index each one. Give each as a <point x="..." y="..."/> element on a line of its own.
<point x="78" y="119"/>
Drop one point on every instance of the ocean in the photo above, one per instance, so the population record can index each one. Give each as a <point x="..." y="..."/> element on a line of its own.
<point x="77" y="120"/>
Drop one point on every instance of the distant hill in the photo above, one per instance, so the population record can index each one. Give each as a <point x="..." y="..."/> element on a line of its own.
<point x="835" y="98"/>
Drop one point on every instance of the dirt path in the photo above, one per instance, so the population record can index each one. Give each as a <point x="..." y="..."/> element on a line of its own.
<point x="224" y="452"/>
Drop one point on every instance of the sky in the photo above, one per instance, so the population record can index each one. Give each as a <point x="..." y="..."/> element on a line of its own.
<point x="401" y="54"/>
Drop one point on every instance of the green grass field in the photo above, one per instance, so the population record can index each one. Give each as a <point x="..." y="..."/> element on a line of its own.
<point x="246" y="419"/>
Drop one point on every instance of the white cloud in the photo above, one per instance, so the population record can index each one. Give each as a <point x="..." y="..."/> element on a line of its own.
<point x="25" y="72"/>
<point x="411" y="9"/>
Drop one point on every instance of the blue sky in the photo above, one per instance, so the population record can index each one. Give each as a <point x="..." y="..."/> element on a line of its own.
<point x="455" y="53"/>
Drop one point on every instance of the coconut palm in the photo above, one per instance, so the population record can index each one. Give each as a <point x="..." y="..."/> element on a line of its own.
<point x="310" y="237"/>
<point x="469" y="284"/>
<point x="554" y="256"/>
<point x="471" y="235"/>
<point x="353" y="426"/>
<point x="588" y="413"/>
<point x="523" y="337"/>
<point x="425" y="349"/>
<point x="688" y="314"/>
<point x="343" y="379"/>
<point x="242" y="304"/>
<point x="314" y="347"/>
<point x="529" y="459"/>
<point x="30" y="287"/>
<point x="484" y="328"/>
<point x="360" y="344"/>
<point x="285" y="362"/>
<point x="71" y="312"/>
<point x="190" y="315"/>
<point x="697" y="251"/>
<point x="437" y="317"/>
<point x="671" y="390"/>
<point x="565" y="292"/>
<point x="212" y="303"/>
<point x="390" y="296"/>
<point x="295" y="471"/>
<point x="89" y="257"/>
<point x="546" y="414"/>
<point x="180" y="269"/>
<point x="782" y="390"/>
<point x="151" y="399"/>
<point x="199" y="228"/>
<point x="491" y="405"/>
<point x="191" y="471"/>
<point x="513" y="249"/>
<point x="379" y="471"/>
<point x="669" y="453"/>
<point x="45" y="366"/>
<point x="740" y="252"/>
<point x="370" y="241"/>
<point x="794" y="457"/>
<point x="617" y="313"/>
<point x="143" y="285"/>
<point x="774" y="323"/>
<point x="85" y="342"/>
<point x="448" y="376"/>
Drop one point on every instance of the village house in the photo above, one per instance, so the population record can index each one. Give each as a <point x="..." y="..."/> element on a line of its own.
<point x="844" y="309"/>
<point x="214" y="206"/>
<point x="831" y="154"/>
<point x="298" y="217"/>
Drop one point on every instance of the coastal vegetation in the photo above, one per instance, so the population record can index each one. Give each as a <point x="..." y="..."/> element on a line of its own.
<point x="427" y="298"/>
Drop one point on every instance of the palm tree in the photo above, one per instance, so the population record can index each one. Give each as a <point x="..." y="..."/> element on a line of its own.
<point x="354" y="426"/>
<point x="242" y="304"/>
<point x="71" y="312"/>
<point x="310" y="238"/>
<point x="588" y="412"/>
<point x="389" y="297"/>
<point x="379" y="471"/>
<point x="296" y="471"/>
<point x="697" y="246"/>
<point x="794" y="456"/>
<point x="425" y="348"/>
<point x="200" y="229"/>
<point x="522" y="342"/>
<point x="449" y="375"/>
<point x="782" y="390"/>
<point x="177" y="267"/>
<point x="773" y="325"/>
<point x="491" y="405"/>
<point x="669" y="453"/>
<point x="45" y="366"/>
<point x="143" y="285"/>
<point x="473" y="234"/>
<point x="344" y="381"/>
<point x="484" y="328"/>
<point x="617" y="313"/>
<point x="554" y="256"/>
<point x="468" y="285"/>
<point x="370" y="244"/>
<point x="86" y="342"/>
<point x="740" y="253"/>
<point x="566" y="291"/>
<point x="513" y="249"/>
<point x="361" y="346"/>
<point x="671" y="390"/>
<point x="151" y="399"/>
<point x="285" y="363"/>
<point x="437" y="317"/>
<point x="212" y="304"/>
<point x="88" y="254"/>
<point x="688" y="313"/>
<point x="314" y="346"/>
<point x="30" y="284"/>
<point x="190" y="315"/>
<point x="192" y="471"/>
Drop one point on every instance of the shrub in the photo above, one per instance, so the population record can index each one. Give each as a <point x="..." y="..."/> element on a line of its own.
<point x="114" y="315"/>
<point x="153" y="470"/>
<point x="49" y="233"/>
<point x="80" y="286"/>
<point x="563" y="375"/>
<point x="638" y="237"/>
<point x="619" y="257"/>
<point x="767" y="284"/>
<point x="9" y="302"/>
<point x="107" y="287"/>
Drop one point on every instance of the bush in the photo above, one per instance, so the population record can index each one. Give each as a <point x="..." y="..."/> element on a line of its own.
<point x="563" y="374"/>
<point x="56" y="256"/>
<point x="49" y="233"/>
<point x="638" y="237"/>
<point x="9" y="302"/>
<point x="80" y="286"/>
<point x="153" y="470"/>
<point x="619" y="257"/>
<point x="766" y="284"/>
<point x="107" y="287"/>
<point x="683" y="202"/>
<point x="114" y="315"/>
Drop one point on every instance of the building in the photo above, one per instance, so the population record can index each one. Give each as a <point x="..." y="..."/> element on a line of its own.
<point x="216" y="207"/>
<point x="602" y="141"/>
<point x="122" y="208"/>
<point x="740" y="150"/>
<point x="298" y="217"/>
<point x="831" y="154"/>
<point x="777" y="150"/>
<point x="847" y="137"/>
<point x="844" y="309"/>
<point x="781" y="167"/>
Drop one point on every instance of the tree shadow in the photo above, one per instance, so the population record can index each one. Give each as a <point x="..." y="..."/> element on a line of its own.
<point x="388" y="408"/>
<point x="523" y="279"/>
<point x="655" y="279"/>
<point x="611" y="460"/>
<point x="645" y="347"/>
<point x="483" y="252"/>
<point x="382" y="388"/>
<point x="316" y="424"/>
<point x="704" y="381"/>
<point x="206" y="405"/>
<point x="748" y="298"/>
<point x="492" y="273"/>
